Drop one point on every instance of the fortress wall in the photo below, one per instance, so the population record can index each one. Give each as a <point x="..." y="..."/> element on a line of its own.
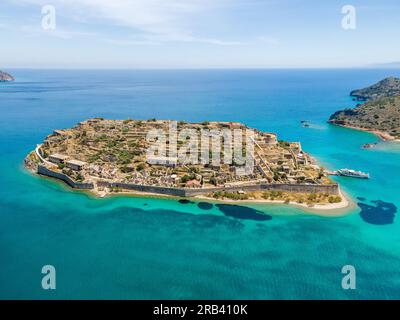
<point x="150" y="189"/>
<point x="186" y="192"/>
<point x="50" y="173"/>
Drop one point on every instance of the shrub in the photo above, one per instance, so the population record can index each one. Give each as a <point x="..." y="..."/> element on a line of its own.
<point x="187" y="177"/>
<point x="334" y="199"/>
<point x="312" y="197"/>
<point x="213" y="181"/>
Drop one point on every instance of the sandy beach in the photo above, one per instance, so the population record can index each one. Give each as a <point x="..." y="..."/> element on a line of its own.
<point x="328" y="209"/>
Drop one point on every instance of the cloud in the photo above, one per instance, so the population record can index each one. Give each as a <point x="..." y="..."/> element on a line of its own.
<point x="154" y="21"/>
<point x="34" y="30"/>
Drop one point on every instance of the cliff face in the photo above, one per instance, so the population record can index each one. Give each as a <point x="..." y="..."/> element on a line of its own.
<point x="389" y="87"/>
<point x="5" y="77"/>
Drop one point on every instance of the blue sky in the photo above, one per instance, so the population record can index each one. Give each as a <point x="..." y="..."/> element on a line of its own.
<point x="198" y="34"/>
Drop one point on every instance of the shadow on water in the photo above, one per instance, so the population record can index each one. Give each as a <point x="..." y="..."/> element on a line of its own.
<point x="205" y="205"/>
<point x="185" y="201"/>
<point x="381" y="213"/>
<point x="241" y="212"/>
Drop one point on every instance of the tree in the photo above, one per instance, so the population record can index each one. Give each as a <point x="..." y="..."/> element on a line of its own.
<point x="213" y="181"/>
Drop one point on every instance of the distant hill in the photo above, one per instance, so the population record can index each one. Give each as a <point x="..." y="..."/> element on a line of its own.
<point x="379" y="114"/>
<point x="4" y="77"/>
<point x="389" y="87"/>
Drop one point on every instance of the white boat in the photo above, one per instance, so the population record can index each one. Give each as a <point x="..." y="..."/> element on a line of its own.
<point x="353" y="173"/>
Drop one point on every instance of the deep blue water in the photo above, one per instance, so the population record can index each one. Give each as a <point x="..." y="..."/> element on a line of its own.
<point x="161" y="249"/>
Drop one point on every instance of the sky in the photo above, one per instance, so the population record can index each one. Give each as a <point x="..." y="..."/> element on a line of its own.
<point x="198" y="34"/>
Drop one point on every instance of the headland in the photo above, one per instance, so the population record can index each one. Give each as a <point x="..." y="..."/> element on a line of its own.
<point x="379" y="113"/>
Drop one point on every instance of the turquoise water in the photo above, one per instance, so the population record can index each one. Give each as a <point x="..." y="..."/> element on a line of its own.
<point x="141" y="248"/>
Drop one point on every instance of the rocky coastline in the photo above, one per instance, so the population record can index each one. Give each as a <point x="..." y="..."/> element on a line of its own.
<point x="379" y="114"/>
<point x="6" y="77"/>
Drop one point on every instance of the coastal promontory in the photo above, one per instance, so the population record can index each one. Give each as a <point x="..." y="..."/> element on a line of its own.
<point x="6" y="77"/>
<point x="388" y="87"/>
<point x="380" y="112"/>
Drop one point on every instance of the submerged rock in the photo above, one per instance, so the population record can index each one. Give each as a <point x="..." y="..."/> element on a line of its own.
<point x="380" y="213"/>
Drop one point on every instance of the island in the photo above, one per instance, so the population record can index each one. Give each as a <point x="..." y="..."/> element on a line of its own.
<point x="379" y="113"/>
<point x="6" y="77"/>
<point x="110" y="156"/>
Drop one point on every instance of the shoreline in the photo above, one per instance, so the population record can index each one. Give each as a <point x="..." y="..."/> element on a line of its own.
<point x="327" y="210"/>
<point x="339" y="209"/>
<point x="384" y="136"/>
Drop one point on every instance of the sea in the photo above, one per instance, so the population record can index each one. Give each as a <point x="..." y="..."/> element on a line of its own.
<point x="144" y="248"/>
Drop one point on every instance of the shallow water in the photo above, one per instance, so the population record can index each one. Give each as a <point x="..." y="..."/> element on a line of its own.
<point x="126" y="247"/>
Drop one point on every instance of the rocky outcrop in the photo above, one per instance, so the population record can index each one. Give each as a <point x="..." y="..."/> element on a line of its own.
<point x="389" y="87"/>
<point x="6" y="77"/>
<point x="380" y="113"/>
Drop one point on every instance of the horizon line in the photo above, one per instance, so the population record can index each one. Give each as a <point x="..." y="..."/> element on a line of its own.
<point x="395" y="67"/>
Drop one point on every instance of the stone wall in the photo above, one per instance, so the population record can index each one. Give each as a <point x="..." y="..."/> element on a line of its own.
<point x="189" y="192"/>
<point x="50" y="173"/>
<point x="150" y="189"/>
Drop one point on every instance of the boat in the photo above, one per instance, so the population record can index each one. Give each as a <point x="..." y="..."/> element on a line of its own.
<point x="305" y="123"/>
<point x="369" y="145"/>
<point x="353" y="173"/>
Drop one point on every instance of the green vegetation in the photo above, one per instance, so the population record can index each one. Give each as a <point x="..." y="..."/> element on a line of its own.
<point x="116" y="189"/>
<point x="230" y="195"/>
<point x="283" y="144"/>
<point x="334" y="199"/>
<point x="382" y="115"/>
<point x="94" y="157"/>
<point x="310" y="199"/>
<point x="124" y="157"/>
<point x="213" y="181"/>
<point x="188" y="177"/>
